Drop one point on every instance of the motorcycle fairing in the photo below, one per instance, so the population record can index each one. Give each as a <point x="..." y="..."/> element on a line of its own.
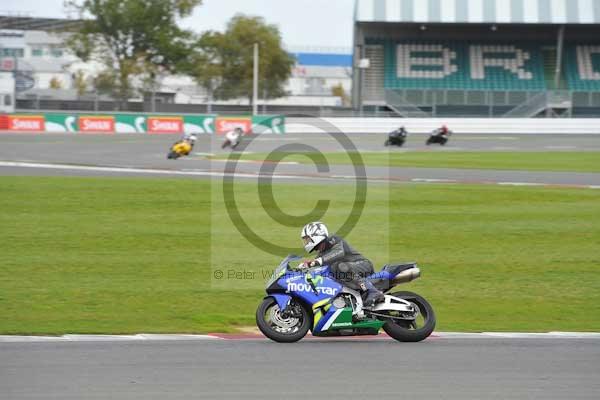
<point x="341" y="318"/>
<point x="282" y="300"/>
<point x="313" y="287"/>
<point x="317" y="289"/>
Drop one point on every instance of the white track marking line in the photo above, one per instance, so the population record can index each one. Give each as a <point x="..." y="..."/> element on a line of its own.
<point x="32" y="339"/>
<point x="99" y="338"/>
<point x="145" y="337"/>
<point x="433" y="180"/>
<point x="280" y="139"/>
<point x="521" y="184"/>
<point x="576" y="334"/>
<point x="255" y="162"/>
<point x="518" y="335"/>
<point x="547" y="335"/>
<point x="560" y="147"/>
<point x="487" y="138"/>
<point x="221" y="174"/>
<point x="156" y="336"/>
<point x="151" y="171"/>
<point x="105" y="338"/>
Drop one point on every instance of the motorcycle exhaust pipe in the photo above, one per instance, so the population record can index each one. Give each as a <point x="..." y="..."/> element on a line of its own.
<point x="407" y="275"/>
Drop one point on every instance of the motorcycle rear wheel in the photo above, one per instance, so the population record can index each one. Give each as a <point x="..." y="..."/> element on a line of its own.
<point x="278" y="328"/>
<point x="405" y="331"/>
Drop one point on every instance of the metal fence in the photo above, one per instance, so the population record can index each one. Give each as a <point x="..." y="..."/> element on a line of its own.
<point x="433" y="103"/>
<point x="480" y="103"/>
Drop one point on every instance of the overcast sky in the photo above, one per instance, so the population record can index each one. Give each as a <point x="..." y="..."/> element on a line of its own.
<point x="317" y="23"/>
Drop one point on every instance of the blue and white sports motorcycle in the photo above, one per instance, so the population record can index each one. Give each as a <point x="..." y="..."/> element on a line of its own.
<point x="301" y="300"/>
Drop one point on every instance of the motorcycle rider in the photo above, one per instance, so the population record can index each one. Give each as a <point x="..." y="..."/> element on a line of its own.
<point x="443" y="130"/>
<point x="187" y="138"/>
<point x="232" y="138"/>
<point x="191" y="138"/>
<point x="348" y="265"/>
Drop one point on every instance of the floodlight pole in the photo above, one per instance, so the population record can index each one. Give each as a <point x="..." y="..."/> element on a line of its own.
<point x="255" y="83"/>
<point x="559" y="55"/>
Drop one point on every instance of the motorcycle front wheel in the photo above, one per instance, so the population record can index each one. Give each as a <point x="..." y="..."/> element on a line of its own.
<point x="412" y="331"/>
<point x="279" y="327"/>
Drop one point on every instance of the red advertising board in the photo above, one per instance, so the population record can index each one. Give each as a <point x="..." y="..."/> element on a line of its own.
<point x="225" y="124"/>
<point x="97" y="124"/>
<point x="165" y="125"/>
<point x="4" y="122"/>
<point x="26" y="123"/>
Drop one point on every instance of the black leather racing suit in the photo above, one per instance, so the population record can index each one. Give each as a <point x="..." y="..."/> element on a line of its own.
<point x="348" y="265"/>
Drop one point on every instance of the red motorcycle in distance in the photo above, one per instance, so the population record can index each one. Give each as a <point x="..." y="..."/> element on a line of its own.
<point x="439" y="136"/>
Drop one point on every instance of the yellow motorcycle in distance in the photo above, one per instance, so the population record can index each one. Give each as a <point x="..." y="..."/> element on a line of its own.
<point x="182" y="147"/>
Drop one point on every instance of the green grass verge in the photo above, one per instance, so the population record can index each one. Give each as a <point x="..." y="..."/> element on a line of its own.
<point x="112" y="255"/>
<point x="529" y="161"/>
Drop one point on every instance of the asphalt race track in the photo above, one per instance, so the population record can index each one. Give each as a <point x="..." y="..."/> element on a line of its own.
<point x="439" y="368"/>
<point x="366" y="368"/>
<point x="23" y="154"/>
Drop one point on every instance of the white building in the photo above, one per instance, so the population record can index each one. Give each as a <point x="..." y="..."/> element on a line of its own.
<point x="39" y="55"/>
<point x="44" y="62"/>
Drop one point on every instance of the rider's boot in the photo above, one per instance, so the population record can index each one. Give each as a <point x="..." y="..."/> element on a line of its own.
<point x="370" y="294"/>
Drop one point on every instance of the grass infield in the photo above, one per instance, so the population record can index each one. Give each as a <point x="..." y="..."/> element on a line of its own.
<point x="120" y="255"/>
<point x="527" y="161"/>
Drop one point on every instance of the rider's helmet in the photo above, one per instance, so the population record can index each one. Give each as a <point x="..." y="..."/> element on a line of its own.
<point x="444" y="128"/>
<point x="238" y="130"/>
<point x="313" y="234"/>
<point x="192" y="138"/>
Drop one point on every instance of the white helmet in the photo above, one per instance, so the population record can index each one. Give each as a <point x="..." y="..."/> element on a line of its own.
<point x="313" y="234"/>
<point x="193" y="137"/>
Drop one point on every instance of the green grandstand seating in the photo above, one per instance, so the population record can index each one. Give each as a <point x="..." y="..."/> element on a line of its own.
<point x="582" y="66"/>
<point x="462" y="65"/>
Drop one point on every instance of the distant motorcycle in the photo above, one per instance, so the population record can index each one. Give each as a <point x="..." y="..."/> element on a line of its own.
<point x="233" y="138"/>
<point x="182" y="147"/>
<point x="397" y="137"/>
<point x="439" y="136"/>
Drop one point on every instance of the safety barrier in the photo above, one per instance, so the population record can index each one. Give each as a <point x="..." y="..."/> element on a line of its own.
<point x="458" y="125"/>
<point x="139" y="123"/>
<point x="210" y="124"/>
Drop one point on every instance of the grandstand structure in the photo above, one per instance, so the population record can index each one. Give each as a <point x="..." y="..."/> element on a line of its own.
<point x="513" y="58"/>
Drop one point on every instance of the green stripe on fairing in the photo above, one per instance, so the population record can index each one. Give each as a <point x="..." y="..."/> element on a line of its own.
<point x="344" y="321"/>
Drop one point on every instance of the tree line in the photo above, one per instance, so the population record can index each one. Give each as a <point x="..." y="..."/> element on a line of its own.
<point x="138" y="41"/>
